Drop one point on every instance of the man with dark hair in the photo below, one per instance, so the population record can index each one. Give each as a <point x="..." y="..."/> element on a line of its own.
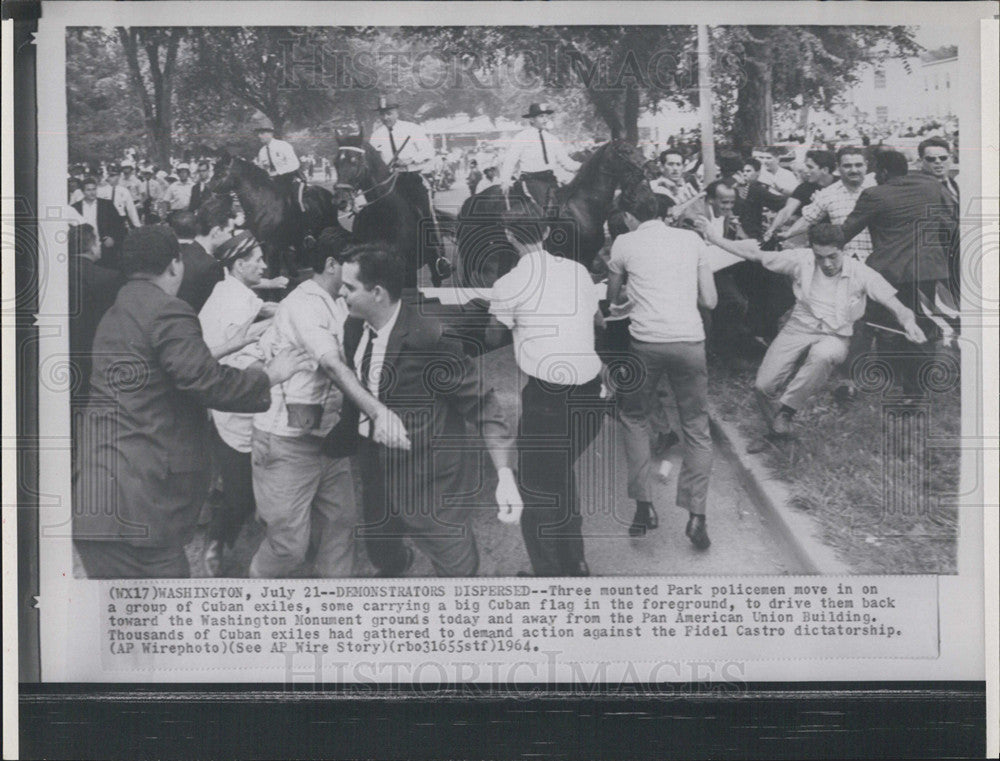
<point x="402" y="357"/>
<point x="92" y="291"/>
<point x="101" y="215"/>
<point x="672" y="183"/>
<point x="820" y="166"/>
<point x="231" y="324"/>
<point x="668" y="280"/>
<point x="294" y="478"/>
<point x="911" y="224"/>
<point x="936" y="160"/>
<point x="142" y="473"/>
<point x="836" y="201"/>
<point x="830" y="295"/>
<point x="550" y="305"/>
<point x="201" y="270"/>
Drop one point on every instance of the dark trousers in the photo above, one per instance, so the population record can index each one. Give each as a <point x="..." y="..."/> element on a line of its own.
<point x="905" y="358"/>
<point x="398" y="503"/>
<point x="557" y="425"/>
<point x="237" y="505"/>
<point x="120" y="560"/>
<point x="541" y="186"/>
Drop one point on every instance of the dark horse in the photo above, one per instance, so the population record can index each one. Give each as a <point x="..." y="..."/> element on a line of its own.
<point x="576" y="225"/>
<point x="390" y="215"/>
<point x="275" y="219"/>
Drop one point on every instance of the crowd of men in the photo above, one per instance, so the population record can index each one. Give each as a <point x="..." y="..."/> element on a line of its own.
<point x="186" y="374"/>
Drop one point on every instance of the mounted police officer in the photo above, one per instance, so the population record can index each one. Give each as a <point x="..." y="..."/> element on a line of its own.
<point x="278" y="159"/>
<point x="538" y="154"/>
<point x="406" y="149"/>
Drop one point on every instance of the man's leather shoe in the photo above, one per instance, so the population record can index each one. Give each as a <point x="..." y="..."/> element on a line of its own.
<point x="697" y="532"/>
<point x="782" y="425"/>
<point x="578" y="569"/>
<point x="645" y="519"/>
<point x="385" y="573"/>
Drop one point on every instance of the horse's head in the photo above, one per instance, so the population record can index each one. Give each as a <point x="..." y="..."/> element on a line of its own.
<point x="354" y="168"/>
<point x="628" y="161"/>
<point x="222" y="179"/>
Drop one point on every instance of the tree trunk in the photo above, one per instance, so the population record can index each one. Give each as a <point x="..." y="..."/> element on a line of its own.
<point x="631" y="115"/>
<point x="752" y="122"/>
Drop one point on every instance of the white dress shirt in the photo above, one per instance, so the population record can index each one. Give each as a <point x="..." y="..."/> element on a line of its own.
<point x="277" y="157"/>
<point x="414" y="156"/>
<point x="378" y="360"/>
<point x="122" y="199"/>
<point x="549" y="304"/>
<point x="309" y="319"/>
<point x="178" y="195"/>
<point x="230" y="306"/>
<point x="88" y="210"/>
<point x="525" y="154"/>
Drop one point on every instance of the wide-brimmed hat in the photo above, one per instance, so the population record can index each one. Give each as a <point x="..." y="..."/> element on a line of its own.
<point x="128" y="164"/>
<point x="385" y="105"/>
<point x="537" y="109"/>
<point x="261" y="123"/>
<point x="184" y="167"/>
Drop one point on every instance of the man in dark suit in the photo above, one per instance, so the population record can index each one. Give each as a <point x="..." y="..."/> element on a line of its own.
<point x="142" y="474"/>
<point x="424" y="377"/>
<point x="200" y="191"/>
<point x="92" y="291"/>
<point x="912" y="225"/>
<point x="201" y="270"/>
<point x="109" y="225"/>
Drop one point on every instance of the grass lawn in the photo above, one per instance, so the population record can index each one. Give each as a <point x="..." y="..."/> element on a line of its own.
<point x="883" y="510"/>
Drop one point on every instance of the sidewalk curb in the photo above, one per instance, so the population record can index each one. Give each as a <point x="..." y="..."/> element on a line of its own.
<point x="773" y="499"/>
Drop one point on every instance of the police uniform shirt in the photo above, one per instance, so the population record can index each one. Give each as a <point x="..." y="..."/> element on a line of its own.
<point x="122" y="199"/>
<point x="526" y="151"/>
<point x="415" y="153"/>
<point x="277" y="157"/>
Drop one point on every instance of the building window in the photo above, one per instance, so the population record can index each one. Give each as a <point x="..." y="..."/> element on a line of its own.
<point x="879" y="79"/>
<point x="882" y="114"/>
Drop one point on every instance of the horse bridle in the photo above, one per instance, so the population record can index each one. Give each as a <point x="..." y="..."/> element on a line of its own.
<point x="390" y="180"/>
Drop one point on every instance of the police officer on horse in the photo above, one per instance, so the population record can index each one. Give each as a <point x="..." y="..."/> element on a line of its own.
<point x="407" y="151"/>
<point x="538" y="153"/>
<point x="278" y="158"/>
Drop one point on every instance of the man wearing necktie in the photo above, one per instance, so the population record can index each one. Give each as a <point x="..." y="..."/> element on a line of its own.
<point x="278" y="158"/>
<point x="936" y="160"/>
<point x="406" y="149"/>
<point x="406" y="361"/>
<point x="538" y="154"/>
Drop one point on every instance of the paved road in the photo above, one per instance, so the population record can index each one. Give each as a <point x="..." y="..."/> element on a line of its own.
<point x="742" y="542"/>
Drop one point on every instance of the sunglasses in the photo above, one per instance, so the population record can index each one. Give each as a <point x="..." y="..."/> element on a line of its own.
<point x="936" y="159"/>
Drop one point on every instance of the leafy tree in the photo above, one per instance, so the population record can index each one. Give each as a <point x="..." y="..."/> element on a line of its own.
<point x="101" y="114"/>
<point x="151" y="53"/>
<point x="767" y="65"/>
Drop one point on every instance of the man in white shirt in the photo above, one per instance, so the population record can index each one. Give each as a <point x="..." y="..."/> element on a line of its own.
<point x="772" y="174"/>
<point x="278" y="159"/>
<point x="550" y="305"/>
<point x="227" y="321"/>
<point x="130" y="181"/>
<point x="831" y="292"/>
<point x="115" y="192"/>
<point x="150" y="193"/>
<point x="292" y="476"/>
<point x="537" y="155"/>
<point x="406" y="149"/>
<point x="668" y="280"/>
<point x="178" y="194"/>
